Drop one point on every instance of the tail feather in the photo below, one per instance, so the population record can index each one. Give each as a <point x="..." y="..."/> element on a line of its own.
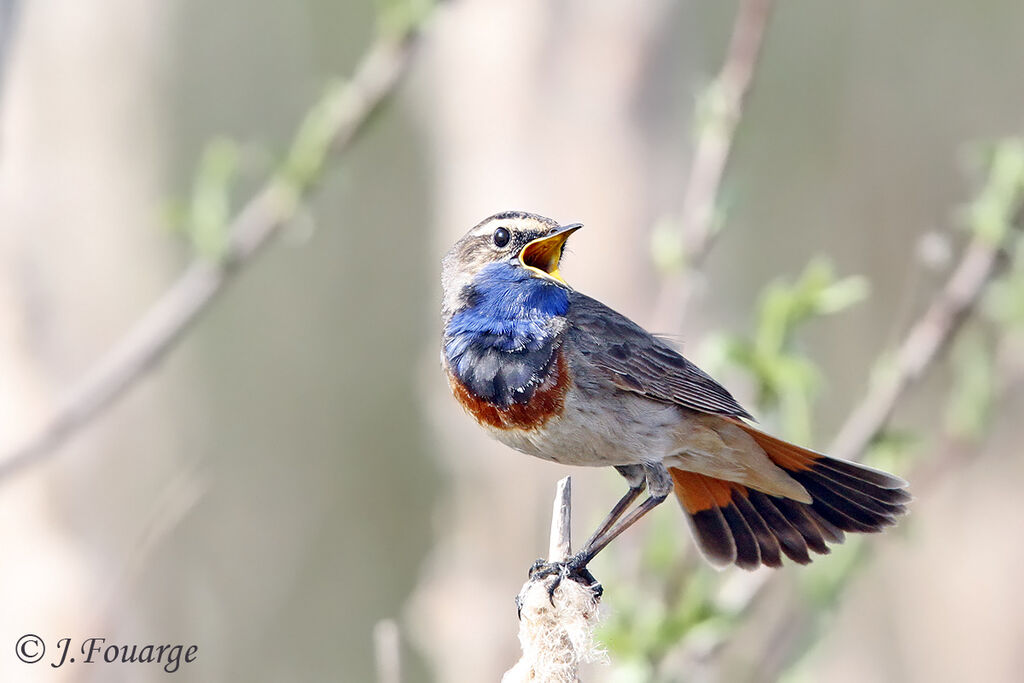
<point x="703" y="498"/>
<point x="862" y="502"/>
<point x="831" y="532"/>
<point x="736" y="524"/>
<point x="714" y="538"/>
<point x="791" y="541"/>
<point x="856" y="495"/>
<point x="868" y="484"/>
<point x="833" y="509"/>
<point x="748" y="551"/>
<point x="801" y="516"/>
<point x="859" y="517"/>
<point x="767" y="543"/>
<point x="882" y="480"/>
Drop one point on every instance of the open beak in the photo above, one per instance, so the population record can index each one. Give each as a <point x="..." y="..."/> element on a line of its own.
<point x="543" y="254"/>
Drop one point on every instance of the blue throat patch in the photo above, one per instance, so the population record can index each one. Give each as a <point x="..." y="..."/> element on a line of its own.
<point x="503" y="344"/>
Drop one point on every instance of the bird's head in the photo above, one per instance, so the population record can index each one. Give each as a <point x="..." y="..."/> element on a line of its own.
<point x="526" y="244"/>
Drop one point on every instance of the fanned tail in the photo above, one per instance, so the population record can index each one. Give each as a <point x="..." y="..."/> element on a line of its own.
<point x="735" y="524"/>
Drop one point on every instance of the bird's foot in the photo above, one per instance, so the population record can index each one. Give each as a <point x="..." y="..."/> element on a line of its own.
<point x="575" y="569"/>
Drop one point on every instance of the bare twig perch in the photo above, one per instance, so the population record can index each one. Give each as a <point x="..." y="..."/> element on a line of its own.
<point x="555" y="629"/>
<point x="340" y="117"/>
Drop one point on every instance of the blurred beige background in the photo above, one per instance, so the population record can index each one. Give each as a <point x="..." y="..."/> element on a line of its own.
<point x="295" y="471"/>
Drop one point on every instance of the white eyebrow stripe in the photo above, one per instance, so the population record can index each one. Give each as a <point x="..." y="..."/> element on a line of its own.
<point x="512" y="224"/>
<point x="483" y="230"/>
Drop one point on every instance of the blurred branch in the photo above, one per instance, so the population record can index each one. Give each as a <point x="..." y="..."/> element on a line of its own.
<point x="170" y="508"/>
<point x="728" y="95"/>
<point x="996" y="219"/>
<point x="922" y="346"/>
<point x="387" y="650"/>
<point x="794" y="625"/>
<point x="927" y="339"/>
<point x="8" y="17"/>
<point x="723" y="104"/>
<point x="331" y="127"/>
<point x="556" y="629"/>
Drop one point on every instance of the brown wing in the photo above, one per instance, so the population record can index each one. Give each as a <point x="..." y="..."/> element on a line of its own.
<point x="637" y="361"/>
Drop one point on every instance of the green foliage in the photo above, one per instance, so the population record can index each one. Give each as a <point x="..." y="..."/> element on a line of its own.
<point x="892" y="449"/>
<point x="667" y="250"/>
<point x="398" y="18"/>
<point x="305" y="160"/>
<point x="991" y="214"/>
<point x="648" y="616"/>
<point x="711" y="113"/>
<point x="991" y="217"/>
<point x="822" y="582"/>
<point x="643" y="627"/>
<point x="204" y="218"/>
<point x="1004" y="303"/>
<point x="786" y="379"/>
<point x="969" y="407"/>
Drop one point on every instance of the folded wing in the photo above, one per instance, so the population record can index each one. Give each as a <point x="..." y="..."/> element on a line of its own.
<point x="637" y="361"/>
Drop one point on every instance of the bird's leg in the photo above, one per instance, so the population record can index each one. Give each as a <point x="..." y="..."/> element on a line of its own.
<point x="660" y="484"/>
<point x="637" y="481"/>
<point x="657" y="479"/>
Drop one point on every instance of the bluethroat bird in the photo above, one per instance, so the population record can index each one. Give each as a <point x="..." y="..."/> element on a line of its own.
<point x="556" y="374"/>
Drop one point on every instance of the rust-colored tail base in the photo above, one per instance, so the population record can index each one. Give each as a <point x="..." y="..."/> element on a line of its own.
<point x="734" y="524"/>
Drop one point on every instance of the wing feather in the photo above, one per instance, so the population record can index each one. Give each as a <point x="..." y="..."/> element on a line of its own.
<point x="635" y="360"/>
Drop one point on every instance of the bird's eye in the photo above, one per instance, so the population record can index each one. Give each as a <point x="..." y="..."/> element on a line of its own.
<point x="501" y="237"/>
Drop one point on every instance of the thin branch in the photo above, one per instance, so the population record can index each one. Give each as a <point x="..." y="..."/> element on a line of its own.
<point x="556" y="628"/>
<point x="726" y="97"/>
<point x="928" y="338"/>
<point x="715" y="144"/>
<point x="560" y="543"/>
<point x="923" y="345"/>
<point x="387" y="651"/>
<point x="342" y="116"/>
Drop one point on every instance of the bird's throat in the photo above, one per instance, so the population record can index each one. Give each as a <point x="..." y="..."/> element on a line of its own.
<point x="501" y="345"/>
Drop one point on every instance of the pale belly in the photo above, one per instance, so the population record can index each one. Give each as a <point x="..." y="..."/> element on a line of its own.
<point x="613" y="429"/>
